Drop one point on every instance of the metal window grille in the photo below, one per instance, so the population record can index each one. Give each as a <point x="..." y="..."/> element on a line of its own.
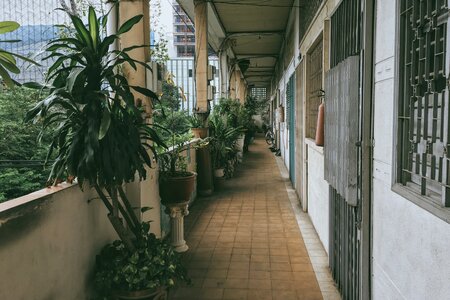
<point x="307" y="11"/>
<point x="259" y="93"/>
<point x="290" y="92"/>
<point x="315" y="84"/>
<point x="423" y="160"/>
<point x="345" y="31"/>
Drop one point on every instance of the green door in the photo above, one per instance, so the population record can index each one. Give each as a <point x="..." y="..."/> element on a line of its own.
<point x="290" y="100"/>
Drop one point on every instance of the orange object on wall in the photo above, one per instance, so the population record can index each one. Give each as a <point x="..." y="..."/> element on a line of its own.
<point x="320" y="126"/>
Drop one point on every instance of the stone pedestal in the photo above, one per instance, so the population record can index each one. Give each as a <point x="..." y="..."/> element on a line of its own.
<point x="176" y="212"/>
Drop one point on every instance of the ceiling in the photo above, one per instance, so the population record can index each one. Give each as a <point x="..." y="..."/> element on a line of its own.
<point x="251" y="29"/>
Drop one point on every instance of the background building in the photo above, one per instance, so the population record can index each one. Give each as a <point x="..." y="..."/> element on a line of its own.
<point x="183" y="33"/>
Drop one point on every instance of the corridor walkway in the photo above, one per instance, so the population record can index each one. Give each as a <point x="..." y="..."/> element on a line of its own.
<point x="245" y="242"/>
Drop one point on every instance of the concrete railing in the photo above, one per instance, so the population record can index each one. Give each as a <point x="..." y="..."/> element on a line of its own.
<point x="48" y="243"/>
<point x="49" y="239"/>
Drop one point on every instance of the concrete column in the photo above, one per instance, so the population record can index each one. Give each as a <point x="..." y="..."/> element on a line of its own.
<point x="141" y="193"/>
<point x="139" y="35"/>
<point x="224" y="74"/>
<point x="233" y="85"/>
<point x="201" y="54"/>
<point x="177" y="212"/>
<point x="204" y="167"/>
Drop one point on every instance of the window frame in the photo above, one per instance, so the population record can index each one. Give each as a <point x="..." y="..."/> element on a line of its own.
<point x="411" y="191"/>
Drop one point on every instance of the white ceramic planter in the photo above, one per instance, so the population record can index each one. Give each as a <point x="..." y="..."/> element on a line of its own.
<point x="219" y="173"/>
<point x="240" y="148"/>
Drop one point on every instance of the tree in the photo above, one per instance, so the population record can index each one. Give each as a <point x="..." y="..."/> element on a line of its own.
<point x="20" y="142"/>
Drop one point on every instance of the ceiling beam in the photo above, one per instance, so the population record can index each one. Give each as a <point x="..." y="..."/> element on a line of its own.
<point x="247" y="56"/>
<point x="259" y="76"/>
<point x="258" y="71"/>
<point x="253" y="33"/>
<point x="268" y="68"/>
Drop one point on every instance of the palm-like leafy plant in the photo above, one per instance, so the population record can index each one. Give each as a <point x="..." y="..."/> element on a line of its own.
<point x="102" y="137"/>
<point x="223" y="138"/>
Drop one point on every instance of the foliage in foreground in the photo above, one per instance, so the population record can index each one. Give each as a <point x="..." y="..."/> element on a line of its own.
<point x="102" y="138"/>
<point x="18" y="141"/>
<point x="152" y="264"/>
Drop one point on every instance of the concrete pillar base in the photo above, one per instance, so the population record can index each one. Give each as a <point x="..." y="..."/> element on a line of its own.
<point x="176" y="212"/>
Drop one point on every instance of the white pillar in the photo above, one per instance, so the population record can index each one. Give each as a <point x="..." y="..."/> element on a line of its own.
<point x="177" y="211"/>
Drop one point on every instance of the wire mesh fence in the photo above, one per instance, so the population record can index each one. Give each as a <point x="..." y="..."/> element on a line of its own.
<point x="37" y="19"/>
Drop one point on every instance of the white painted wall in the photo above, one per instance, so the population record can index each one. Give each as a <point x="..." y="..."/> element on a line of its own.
<point x="318" y="196"/>
<point x="48" y="244"/>
<point x="410" y="245"/>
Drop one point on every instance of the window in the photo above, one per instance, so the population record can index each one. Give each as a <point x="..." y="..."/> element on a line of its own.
<point x="423" y="112"/>
<point x="260" y="93"/>
<point x="314" y="87"/>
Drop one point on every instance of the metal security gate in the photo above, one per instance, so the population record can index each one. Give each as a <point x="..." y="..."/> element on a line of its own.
<point x="343" y="153"/>
<point x="290" y="105"/>
<point x="341" y="171"/>
<point x="344" y="246"/>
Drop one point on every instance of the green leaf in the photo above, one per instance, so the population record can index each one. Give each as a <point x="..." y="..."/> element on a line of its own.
<point x="129" y="24"/>
<point x="21" y="57"/>
<point x="104" y="46"/>
<point x="82" y="32"/>
<point x="106" y="122"/>
<point x="145" y="92"/>
<point x="93" y="26"/>
<point x="34" y="85"/>
<point x="5" y="76"/>
<point x="8" y="26"/>
<point x="145" y="208"/>
<point x="8" y="57"/>
<point x="10" y="66"/>
<point x="10" y="41"/>
<point x="73" y="77"/>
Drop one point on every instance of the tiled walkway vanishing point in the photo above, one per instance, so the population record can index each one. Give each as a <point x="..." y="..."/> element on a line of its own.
<point x="245" y="242"/>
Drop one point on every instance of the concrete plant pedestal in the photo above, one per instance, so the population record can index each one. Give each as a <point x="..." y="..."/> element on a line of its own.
<point x="176" y="212"/>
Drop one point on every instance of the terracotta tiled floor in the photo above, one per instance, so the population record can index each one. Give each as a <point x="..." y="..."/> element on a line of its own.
<point x="245" y="242"/>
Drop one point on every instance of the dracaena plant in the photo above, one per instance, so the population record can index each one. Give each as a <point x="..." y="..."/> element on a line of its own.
<point x="102" y="137"/>
<point x="223" y="139"/>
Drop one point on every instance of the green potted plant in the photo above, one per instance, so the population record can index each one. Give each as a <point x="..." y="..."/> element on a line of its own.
<point x="176" y="184"/>
<point x="223" y="141"/>
<point x="198" y="126"/>
<point x="102" y="137"/>
<point x="145" y="273"/>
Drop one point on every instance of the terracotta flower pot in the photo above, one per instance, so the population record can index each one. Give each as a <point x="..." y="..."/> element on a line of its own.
<point x="177" y="189"/>
<point x="149" y="294"/>
<point x="200" y="132"/>
<point x="320" y="126"/>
